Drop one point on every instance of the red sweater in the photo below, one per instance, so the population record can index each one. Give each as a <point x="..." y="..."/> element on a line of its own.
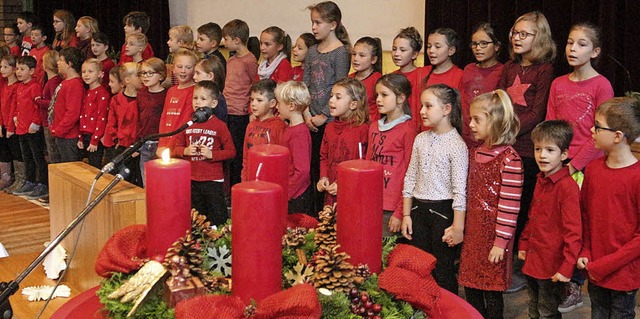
<point x="392" y="148"/>
<point x="107" y="65"/>
<point x="7" y="107"/>
<point x="611" y="225"/>
<point x="122" y="124"/>
<point x="451" y="77"/>
<point x="150" y="107"/>
<point x="416" y="78"/>
<point x="27" y="111"/>
<point x="93" y="117"/>
<point x="282" y="73"/>
<point x="124" y="58"/>
<point x="241" y="73"/>
<point x="178" y="108"/>
<point x="476" y="81"/>
<point x="341" y="142"/>
<point x="45" y="98"/>
<point x="528" y="88"/>
<point x="298" y="140"/>
<point x="370" y="84"/>
<point x="258" y="132"/>
<point x="297" y="73"/>
<point x="38" y="53"/>
<point x="66" y="110"/>
<point x="216" y="136"/>
<point x="553" y="235"/>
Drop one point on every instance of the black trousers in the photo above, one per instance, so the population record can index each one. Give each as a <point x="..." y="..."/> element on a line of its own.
<point x="489" y="304"/>
<point x="237" y="127"/>
<point x="208" y="199"/>
<point x="33" y="147"/>
<point x="95" y="158"/>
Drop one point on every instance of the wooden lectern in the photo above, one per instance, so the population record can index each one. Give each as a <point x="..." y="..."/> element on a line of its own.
<point x="69" y="185"/>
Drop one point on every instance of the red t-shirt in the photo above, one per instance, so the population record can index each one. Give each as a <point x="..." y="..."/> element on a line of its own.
<point x="38" y="53"/>
<point x="178" y="108"/>
<point x="45" y="98"/>
<point x="123" y="121"/>
<point x="7" y="107"/>
<point x="27" y="111"/>
<point x="107" y="65"/>
<point x="283" y="72"/>
<point x="66" y="110"/>
<point x="241" y="73"/>
<point x="216" y="136"/>
<point x="258" y="132"/>
<point x="476" y="81"/>
<point x="298" y="139"/>
<point x="416" y="78"/>
<point x="370" y="84"/>
<point x="150" y="107"/>
<point x="146" y="54"/>
<point x="297" y="73"/>
<point x="94" y="114"/>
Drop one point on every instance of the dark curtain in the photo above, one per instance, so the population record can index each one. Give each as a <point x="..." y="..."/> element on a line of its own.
<point x="618" y="19"/>
<point x="109" y="14"/>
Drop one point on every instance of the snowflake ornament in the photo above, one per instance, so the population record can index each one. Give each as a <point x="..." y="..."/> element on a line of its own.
<point x="36" y="293"/>
<point x="221" y="260"/>
<point x="299" y="275"/>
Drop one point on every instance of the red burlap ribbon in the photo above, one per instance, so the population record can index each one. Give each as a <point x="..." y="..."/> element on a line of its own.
<point x="298" y="302"/>
<point x="301" y="220"/>
<point x="408" y="277"/>
<point x="123" y="252"/>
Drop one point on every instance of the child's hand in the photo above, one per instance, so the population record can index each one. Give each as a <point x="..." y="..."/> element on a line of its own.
<point x="496" y="254"/>
<point x="32" y="131"/>
<point x="394" y="224"/>
<point x="318" y="120"/>
<point x="135" y="154"/>
<point x="407" y="227"/>
<point x="582" y="262"/>
<point x="322" y="185"/>
<point x="559" y="277"/>
<point x="191" y="150"/>
<point x="1" y="135"/>
<point x="205" y="151"/>
<point x="453" y="236"/>
<point x="522" y="254"/>
<point x="309" y="121"/>
<point x="333" y="189"/>
<point x="9" y="134"/>
<point x="80" y="145"/>
<point x="92" y="148"/>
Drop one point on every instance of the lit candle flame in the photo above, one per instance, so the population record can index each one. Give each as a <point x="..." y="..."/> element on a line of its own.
<point x="166" y="156"/>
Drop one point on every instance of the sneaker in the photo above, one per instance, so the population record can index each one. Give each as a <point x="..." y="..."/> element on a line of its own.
<point x="27" y="188"/>
<point x="518" y="282"/>
<point x="40" y="191"/>
<point x="573" y="298"/>
<point x="44" y="200"/>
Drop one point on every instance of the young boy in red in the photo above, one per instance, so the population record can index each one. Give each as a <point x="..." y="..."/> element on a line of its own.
<point x="65" y="126"/>
<point x="242" y="70"/>
<point x="122" y="124"/>
<point x="265" y="128"/>
<point x="206" y="145"/>
<point x="39" y="48"/>
<point x="611" y="212"/>
<point x="135" y="21"/>
<point x="293" y="98"/>
<point x="29" y="130"/>
<point x="94" y="113"/>
<point x="552" y="237"/>
<point x="25" y="22"/>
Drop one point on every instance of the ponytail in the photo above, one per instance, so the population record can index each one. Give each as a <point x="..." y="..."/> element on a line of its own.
<point x="376" y="50"/>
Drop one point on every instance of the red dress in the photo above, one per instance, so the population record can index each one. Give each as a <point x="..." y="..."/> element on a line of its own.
<point x="483" y="189"/>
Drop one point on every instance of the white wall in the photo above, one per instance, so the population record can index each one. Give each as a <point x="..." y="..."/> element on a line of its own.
<point x="379" y="18"/>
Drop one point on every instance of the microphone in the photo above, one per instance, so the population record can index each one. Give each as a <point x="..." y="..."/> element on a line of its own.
<point x="201" y="115"/>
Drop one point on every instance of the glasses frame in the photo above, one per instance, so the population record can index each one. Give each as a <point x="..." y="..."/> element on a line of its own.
<point x="481" y="44"/>
<point x="147" y="74"/>
<point x="523" y="35"/>
<point x="597" y="129"/>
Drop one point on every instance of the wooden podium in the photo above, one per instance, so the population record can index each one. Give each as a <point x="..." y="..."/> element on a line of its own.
<point x="69" y="185"/>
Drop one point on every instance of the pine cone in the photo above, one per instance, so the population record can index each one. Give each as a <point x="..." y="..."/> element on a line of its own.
<point x="199" y="223"/>
<point x="363" y="271"/>
<point x="325" y="236"/>
<point x="333" y="270"/>
<point x="249" y="311"/>
<point x="294" y="237"/>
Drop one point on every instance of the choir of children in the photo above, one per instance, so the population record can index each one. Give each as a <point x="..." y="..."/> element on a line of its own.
<point x="485" y="160"/>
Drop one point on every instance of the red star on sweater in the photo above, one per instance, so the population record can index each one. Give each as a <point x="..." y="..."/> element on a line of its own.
<point x="516" y="91"/>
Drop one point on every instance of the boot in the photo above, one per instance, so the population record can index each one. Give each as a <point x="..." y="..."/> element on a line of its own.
<point x="19" y="175"/>
<point x="6" y="179"/>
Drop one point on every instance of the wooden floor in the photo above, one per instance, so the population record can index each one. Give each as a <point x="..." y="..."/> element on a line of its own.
<point x="24" y="225"/>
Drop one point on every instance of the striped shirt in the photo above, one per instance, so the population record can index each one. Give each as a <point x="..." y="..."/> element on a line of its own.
<point x="510" y="191"/>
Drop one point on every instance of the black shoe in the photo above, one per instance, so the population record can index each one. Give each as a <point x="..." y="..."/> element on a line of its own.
<point x="40" y="191"/>
<point x="27" y="188"/>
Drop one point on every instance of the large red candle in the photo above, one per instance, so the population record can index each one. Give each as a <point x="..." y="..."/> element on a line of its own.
<point x="359" y="216"/>
<point x="257" y="240"/>
<point x="168" y="185"/>
<point x="273" y="161"/>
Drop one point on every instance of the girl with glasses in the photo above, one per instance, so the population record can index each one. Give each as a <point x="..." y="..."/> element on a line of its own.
<point x="481" y="76"/>
<point x="64" y="24"/>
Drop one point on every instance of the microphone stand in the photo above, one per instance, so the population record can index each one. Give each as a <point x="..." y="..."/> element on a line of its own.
<point x="11" y="287"/>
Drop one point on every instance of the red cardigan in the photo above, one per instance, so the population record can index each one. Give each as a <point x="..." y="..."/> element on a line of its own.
<point x="94" y="114"/>
<point x="123" y="121"/>
<point x="27" y="111"/>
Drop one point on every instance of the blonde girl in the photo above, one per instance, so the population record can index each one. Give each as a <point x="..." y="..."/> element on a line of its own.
<point x="85" y="29"/>
<point x="527" y="78"/>
<point x="93" y="114"/>
<point x="494" y="188"/>
<point x="346" y="137"/>
<point x="211" y="69"/>
<point x="405" y="49"/>
<point x="299" y="53"/>
<point x="390" y="142"/>
<point x="275" y="46"/>
<point x="366" y="58"/>
<point x="63" y="24"/>
<point x="482" y="75"/>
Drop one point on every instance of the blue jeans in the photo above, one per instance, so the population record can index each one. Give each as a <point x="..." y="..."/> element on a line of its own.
<point x="147" y="153"/>
<point x="611" y="304"/>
